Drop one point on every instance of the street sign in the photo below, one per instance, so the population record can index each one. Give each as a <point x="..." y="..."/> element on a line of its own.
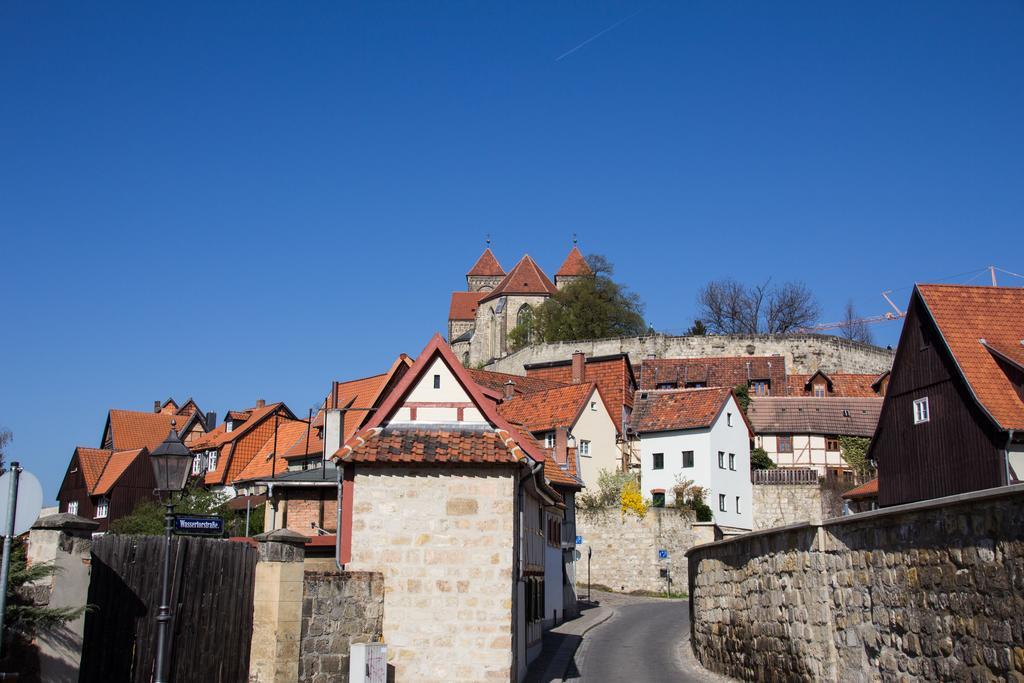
<point x="204" y="525"/>
<point x="579" y="540"/>
<point x="30" y="502"/>
<point x="662" y="554"/>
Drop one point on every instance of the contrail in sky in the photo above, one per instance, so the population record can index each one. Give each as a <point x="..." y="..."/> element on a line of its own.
<point x="598" y="35"/>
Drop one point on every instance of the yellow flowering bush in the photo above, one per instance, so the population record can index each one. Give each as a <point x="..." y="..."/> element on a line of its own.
<point x="631" y="500"/>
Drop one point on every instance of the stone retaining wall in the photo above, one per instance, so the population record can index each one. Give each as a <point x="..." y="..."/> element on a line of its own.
<point x="338" y="609"/>
<point x="625" y="548"/>
<point x="776" y="505"/>
<point x="804" y="353"/>
<point x="930" y="591"/>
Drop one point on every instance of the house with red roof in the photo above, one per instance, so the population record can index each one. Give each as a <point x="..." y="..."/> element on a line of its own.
<point x="953" y="416"/>
<point x="106" y="484"/>
<point x="495" y="301"/>
<point x="699" y="436"/>
<point x="132" y="429"/>
<point x="463" y="512"/>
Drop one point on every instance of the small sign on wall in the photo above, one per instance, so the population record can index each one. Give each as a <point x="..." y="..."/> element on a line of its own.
<point x="579" y="540"/>
<point x="662" y="554"/>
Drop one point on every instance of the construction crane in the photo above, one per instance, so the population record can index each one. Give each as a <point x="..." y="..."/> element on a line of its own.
<point x="895" y="314"/>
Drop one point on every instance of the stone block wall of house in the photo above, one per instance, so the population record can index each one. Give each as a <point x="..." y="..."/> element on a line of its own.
<point x="443" y="541"/>
<point x="338" y="609"/>
<point x="625" y="548"/>
<point x="777" y="505"/>
<point x="804" y="353"/>
<point x="929" y="591"/>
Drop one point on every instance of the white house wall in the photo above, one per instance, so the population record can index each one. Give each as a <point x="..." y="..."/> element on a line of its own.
<point x="597" y="427"/>
<point x="449" y="392"/>
<point x="808" y="451"/>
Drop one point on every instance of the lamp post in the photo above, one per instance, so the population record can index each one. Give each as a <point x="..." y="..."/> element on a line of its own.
<point x="171" y="461"/>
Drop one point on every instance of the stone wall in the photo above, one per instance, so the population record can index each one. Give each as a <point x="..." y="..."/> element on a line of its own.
<point x="930" y="591"/>
<point x="625" y="549"/>
<point x="777" y="505"/>
<point x="444" y="542"/>
<point x="804" y="353"/>
<point x="338" y="609"/>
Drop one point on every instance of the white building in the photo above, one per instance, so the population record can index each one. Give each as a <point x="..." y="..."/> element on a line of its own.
<point x="699" y="435"/>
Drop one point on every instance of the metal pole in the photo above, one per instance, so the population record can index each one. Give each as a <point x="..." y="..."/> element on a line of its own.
<point x="163" y="619"/>
<point x="248" y="507"/>
<point x="590" y="551"/>
<point x="5" y="570"/>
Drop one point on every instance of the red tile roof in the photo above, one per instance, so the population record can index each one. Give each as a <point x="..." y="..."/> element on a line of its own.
<point x="463" y="306"/>
<point x="967" y="315"/>
<point x="613" y="376"/>
<point x="868" y="490"/>
<point x="562" y="477"/>
<point x="543" y="411"/>
<point x="525" y="278"/>
<point x="264" y="463"/>
<point x="722" y="371"/>
<point x="669" y="410"/>
<point x="133" y="429"/>
<point x="574" y="264"/>
<point x="219" y="436"/>
<point x="118" y="462"/>
<point x="844" y="384"/>
<point x="412" y="444"/>
<point x="92" y="461"/>
<point x="496" y="381"/>
<point x="857" y="416"/>
<point x="487" y="265"/>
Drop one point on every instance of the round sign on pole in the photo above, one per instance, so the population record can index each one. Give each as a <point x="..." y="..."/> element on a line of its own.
<point x="30" y="501"/>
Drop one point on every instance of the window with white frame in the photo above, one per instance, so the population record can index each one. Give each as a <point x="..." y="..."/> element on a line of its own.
<point x="102" y="508"/>
<point x="73" y="507"/>
<point x="197" y="463"/>
<point x="721" y="502"/>
<point x="211" y="461"/>
<point x="921" y="413"/>
<point x="549" y="440"/>
<point x="584" y="448"/>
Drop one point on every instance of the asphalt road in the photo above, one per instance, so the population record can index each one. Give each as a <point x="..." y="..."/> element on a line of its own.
<point x="639" y="643"/>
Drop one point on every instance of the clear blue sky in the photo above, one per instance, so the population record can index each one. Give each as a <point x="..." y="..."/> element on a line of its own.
<point x="247" y="200"/>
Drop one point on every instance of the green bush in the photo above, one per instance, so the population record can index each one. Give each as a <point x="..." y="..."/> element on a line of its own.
<point x="760" y="460"/>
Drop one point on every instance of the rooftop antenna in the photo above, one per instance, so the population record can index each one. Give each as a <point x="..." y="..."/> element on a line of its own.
<point x="992" y="270"/>
<point x="488" y="240"/>
<point x="574" y="239"/>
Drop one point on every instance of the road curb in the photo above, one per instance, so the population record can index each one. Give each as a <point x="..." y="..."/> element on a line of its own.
<point x="576" y="649"/>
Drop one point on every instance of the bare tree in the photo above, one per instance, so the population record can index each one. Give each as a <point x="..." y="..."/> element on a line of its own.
<point x="6" y="437"/>
<point x="853" y="327"/>
<point x="730" y="307"/>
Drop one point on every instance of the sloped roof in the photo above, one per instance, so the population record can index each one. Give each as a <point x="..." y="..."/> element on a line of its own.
<point x="868" y="490"/>
<point x="92" y="461"/>
<point x="117" y="463"/>
<point x="574" y="264"/>
<point x="721" y="371"/>
<point x="545" y="410"/>
<point x="463" y="305"/>
<point x="563" y="477"/>
<point x="496" y="381"/>
<point x="133" y="429"/>
<point x="487" y="265"/>
<point x="418" y="444"/>
<point x="677" y="409"/>
<point x="525" y="278"/>
<point x="967" y="315"/>
<point x="219" y="436"/>
<point x="264" y="463"/>
<point x="799" y="415"/>
<point x="844" y="384"/>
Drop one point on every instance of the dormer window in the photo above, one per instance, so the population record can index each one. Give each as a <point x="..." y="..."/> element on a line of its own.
<point x="549" y="440"/>
<point x="211" y="459"/>
<point x="197" y="464"/>
<point x="229" y="425"/>
<point x="760" y="387"/>
<point x="667" y="385"/>
<point x="820" y="390"/>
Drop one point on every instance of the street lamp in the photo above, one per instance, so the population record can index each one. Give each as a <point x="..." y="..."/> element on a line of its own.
<point x="171" y="461"/>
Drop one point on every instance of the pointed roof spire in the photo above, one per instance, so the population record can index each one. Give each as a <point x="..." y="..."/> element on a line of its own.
<point x="525" y="278"/>
<point x="574" y="264"/>
<point x="487" y="265"/>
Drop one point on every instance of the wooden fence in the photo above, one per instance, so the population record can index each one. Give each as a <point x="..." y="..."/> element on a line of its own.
<point x="211" y="599"/>
<point x="833" y="477"/>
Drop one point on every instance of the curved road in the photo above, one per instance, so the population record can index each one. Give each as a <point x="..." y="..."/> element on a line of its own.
<point x="638" y="643"/>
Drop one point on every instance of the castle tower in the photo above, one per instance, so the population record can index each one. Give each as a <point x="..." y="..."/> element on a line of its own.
<point x="510" y="303"/>
<point x="485" y="274"/>
<point x="574" y="268"/>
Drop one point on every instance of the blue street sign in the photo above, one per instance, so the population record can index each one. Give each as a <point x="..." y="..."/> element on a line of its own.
<point x="579" y="540"/>
<point x="662" y="554"/>
<point x="207" y="525"/>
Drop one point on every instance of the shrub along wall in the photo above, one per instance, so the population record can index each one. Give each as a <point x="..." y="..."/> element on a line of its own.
<point x="931" y="590"/>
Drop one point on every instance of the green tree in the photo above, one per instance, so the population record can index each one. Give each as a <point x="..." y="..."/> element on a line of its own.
<point x="854" y="450"/>
<point x="697" y="329"/>
<point x="760" y="460"/>
<point x="147" y="519"/>
<point x="742" y="392"/>
<point x="589" y="308"/>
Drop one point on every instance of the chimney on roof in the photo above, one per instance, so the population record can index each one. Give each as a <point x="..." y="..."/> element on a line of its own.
<point x="510" y="389"/>
<point x="332" y="432"/>
<point x="578" y="367"/>
<point x="260" y="403"/>
<point x="156" y="406"/>
<point x="211" y="420"/>
<point x="561" y="445"/>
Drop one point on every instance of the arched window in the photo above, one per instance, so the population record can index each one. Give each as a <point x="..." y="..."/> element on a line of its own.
<point x="525" y="316"/>
<point x="495" y="335"/>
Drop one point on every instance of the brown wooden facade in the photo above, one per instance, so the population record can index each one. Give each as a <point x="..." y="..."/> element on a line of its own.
<point x="959" y="449"/>
<point x="133" y="486"/>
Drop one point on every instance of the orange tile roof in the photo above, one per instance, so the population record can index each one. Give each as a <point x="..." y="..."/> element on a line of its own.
<point x="868" y="490"/>
<point x="118" y="462"/>
<point x="213" y="438"/>
<point x="463" y="305"/>
<point x="525" y="278"/>
<point x="563" y="477"/>
<point x="545" y="410"/>
<point x="264" y="463"/>
<point x="134" y="429"/>
<point x="487" y="265"/>
<point x="844" y="384"/>
<point x="574" y="264"/>
<point x="967" y="315"/>
<point x="414" y="444"/>
<point x="219" y="436"/>
<point x="668" y="410"/>
<point x="496" y="381"/>
<point x="92" y="461"/>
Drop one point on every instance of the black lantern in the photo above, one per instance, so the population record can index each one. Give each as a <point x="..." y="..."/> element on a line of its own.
<point x="171" y="463"/>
